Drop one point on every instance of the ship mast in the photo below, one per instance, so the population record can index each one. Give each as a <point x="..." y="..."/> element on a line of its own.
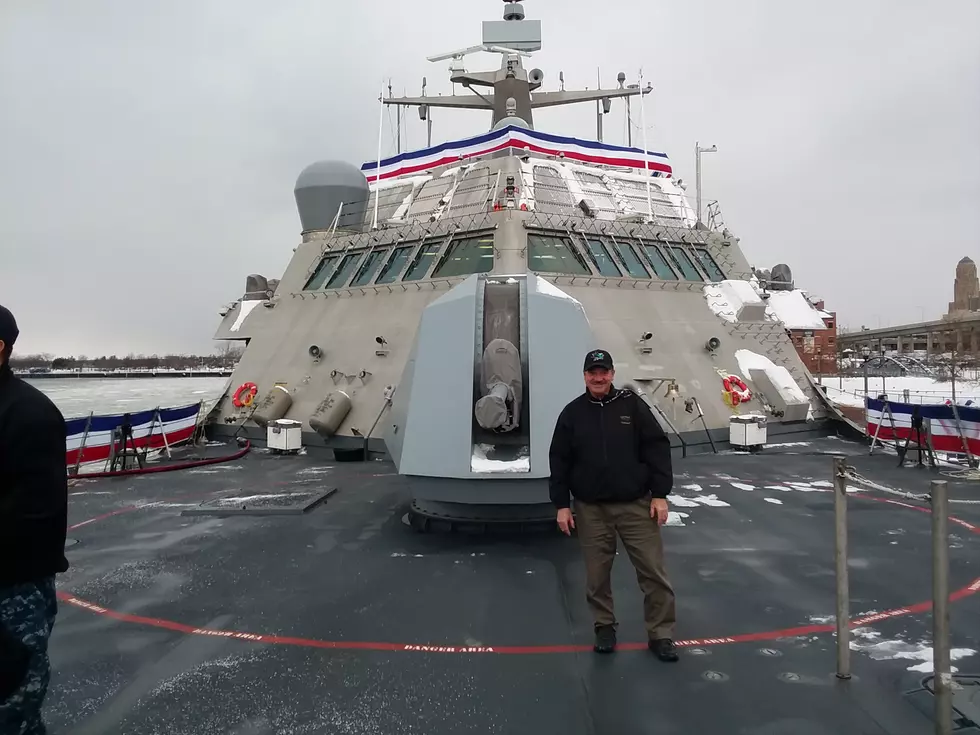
<point x="513" y="86"/>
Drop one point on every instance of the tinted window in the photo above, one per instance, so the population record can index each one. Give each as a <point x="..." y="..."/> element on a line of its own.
<point x="632" y="261"/>
<point x="320" y="274"/>
<point x="709" y="264"/>
<point x="659" y="263"/>
<point x="600" y="256"/>
<point x="549" y="254"/>
<point x="466" y="256"/>
<point x="395" y="264"/>
<point x="340" y="276"/>
<point x="420" y="266"/>
<point x="683" y="261"/>
<point x="367" y="269"/>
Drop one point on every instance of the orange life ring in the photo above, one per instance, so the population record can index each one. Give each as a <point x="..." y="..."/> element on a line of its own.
<point x="737" y="389"/>
<point x="245" y="395"/>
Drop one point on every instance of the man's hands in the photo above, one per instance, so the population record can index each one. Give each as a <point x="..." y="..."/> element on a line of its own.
<point x="658" y="510"/>
<point x="565" y="521"/>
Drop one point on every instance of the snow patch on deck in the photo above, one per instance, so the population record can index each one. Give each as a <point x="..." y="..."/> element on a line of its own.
<point x="791" y="308"/>
<point x="480" y="463"/>
<point x="236" y="499"/>
<point x="780" y="376"/>
<point x="871" y="642"/>
<point x="550" y="289"/>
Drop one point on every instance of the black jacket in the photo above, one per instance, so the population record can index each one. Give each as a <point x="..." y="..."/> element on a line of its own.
<point x="33" y="483"/>
<point x="609" y="450"/>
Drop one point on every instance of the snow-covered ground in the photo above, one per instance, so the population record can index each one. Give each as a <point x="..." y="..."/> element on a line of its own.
<point x="850" y="391"/>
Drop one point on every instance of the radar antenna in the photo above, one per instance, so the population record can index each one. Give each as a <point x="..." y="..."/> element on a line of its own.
<point x="513" y="38"/>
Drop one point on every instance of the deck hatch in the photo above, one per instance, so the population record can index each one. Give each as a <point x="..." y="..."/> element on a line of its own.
<point x="263" y="504"/>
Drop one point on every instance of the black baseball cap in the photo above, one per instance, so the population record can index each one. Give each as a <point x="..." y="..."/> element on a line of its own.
<point x="598" y="358"/>
<point x="8" y="327"/>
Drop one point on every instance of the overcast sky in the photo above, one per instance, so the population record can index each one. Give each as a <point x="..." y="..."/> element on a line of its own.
<point x="148" y="151"/>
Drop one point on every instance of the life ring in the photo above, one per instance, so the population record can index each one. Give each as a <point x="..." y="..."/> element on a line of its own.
<point x="245" y="395"/>
<point x="736" y="390"/>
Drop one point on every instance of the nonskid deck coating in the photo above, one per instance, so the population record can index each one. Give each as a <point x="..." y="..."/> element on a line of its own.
<point x="352" y="572"/>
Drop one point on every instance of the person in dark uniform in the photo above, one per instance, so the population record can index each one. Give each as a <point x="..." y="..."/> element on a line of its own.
<point x="611" y="455"/>
<point x="33" y="524"/>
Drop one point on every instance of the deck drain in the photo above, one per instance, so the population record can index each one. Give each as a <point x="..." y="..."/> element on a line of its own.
<point x="714" y="676"/>
<point x="770" y="652"/>
<point x="698" y="651"/>
<point x="789" y="676"/>
<point x="70" y="542"/>
<point x="262" y="504"/>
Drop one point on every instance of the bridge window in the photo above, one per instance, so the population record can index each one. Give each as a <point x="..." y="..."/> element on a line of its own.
<point x="420" y="266"/>
<point x="683" y="261"/>
<point x="319" y="276"/>
<point x="631" y="260"/>
<point x="660" y="265"/>
<point x="395" y="263"/>
<point x="346" y="267"/>
<point x="550" y="254"/>
<point x="709" y="264"/>
<point x="465" y="256"/>
<point x="603" y="262"/>
<point x="367" y="269"/>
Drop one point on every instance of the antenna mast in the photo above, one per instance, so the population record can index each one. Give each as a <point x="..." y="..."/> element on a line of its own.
<point x="377" y="175"/>
<point x="646" y="153"/>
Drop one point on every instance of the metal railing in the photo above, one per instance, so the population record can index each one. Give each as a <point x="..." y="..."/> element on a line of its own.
<point x="943" y="683"/>
<point x="474" y="188"/>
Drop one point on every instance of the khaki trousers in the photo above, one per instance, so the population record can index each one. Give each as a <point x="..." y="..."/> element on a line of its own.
<point x="597" y="525"/>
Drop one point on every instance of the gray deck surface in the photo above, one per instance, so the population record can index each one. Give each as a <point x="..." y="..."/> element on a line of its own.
<point x="351" y="572"/>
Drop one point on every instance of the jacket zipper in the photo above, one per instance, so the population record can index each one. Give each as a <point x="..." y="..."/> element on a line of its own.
<point x="602" y="429"/>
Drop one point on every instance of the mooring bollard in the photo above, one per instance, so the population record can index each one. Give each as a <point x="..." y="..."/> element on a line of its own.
<point x="941" y="677"/>
<point x="840" y="560"/>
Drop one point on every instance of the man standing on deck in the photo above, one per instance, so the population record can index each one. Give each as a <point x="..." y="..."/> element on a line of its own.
<point x="33" y="524"/>
<point x="610" y="454"/>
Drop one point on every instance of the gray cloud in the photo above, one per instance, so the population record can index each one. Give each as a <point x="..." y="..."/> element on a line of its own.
<point x="147" y="158"/>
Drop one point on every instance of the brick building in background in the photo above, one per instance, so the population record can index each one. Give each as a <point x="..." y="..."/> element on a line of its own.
<point x="817" y="347"/>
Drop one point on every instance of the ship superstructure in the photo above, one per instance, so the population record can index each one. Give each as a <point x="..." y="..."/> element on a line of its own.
<point x="441" y="300"/>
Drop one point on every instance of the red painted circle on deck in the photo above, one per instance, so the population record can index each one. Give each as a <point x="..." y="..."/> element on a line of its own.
<point x="768" y="635"/>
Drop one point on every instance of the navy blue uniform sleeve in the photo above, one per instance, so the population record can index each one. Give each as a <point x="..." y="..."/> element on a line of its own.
<point x="654" y="450"/>
<point x="560" y="460"/>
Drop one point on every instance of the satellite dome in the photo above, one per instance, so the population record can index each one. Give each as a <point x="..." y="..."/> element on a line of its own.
<point x="322" y="187"/>
<point x="518" y="122"/>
